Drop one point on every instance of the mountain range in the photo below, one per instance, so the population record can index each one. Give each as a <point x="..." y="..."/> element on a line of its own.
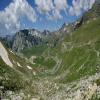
<point x="60" y="65"/>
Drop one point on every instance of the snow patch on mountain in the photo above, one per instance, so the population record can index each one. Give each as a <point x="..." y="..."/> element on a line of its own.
<point x="29" y="67"/>
<point x="19" y="64"/>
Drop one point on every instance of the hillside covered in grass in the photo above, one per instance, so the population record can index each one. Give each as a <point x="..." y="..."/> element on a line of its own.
<point x="66" y="66"/>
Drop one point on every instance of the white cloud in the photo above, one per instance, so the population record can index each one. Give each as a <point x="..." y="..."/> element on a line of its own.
<point x="79" y="5"/>
<point x="60" y="4"/>
<point x="55" y="15"/>
<point x="44" y="6"/>
<point x="52" y="8"/>
<point x="11" y="15"/>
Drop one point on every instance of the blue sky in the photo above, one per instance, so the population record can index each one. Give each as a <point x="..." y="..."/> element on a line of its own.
<point x="39" y="14"/>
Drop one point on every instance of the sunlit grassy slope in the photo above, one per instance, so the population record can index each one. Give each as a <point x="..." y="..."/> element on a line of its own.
<point x="82" y="57"/>
<point x="77" y="55"/>
<point x="15" y="78"/>
<point x="10" y="79"/>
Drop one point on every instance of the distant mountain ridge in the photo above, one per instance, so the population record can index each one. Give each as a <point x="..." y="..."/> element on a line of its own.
<point x="27" y="38"/>
<point x="91" y="14"/>
<point x="61" y="65"/>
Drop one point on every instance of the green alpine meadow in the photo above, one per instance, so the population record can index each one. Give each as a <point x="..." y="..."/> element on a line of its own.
<point x="52" y="65"/>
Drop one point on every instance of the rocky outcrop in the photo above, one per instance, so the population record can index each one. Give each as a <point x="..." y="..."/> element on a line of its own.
<point x="78" y="23"/>
<point x="26" y="39"/>
<point x="4" y="55"/>
<point x="46" y="33"/>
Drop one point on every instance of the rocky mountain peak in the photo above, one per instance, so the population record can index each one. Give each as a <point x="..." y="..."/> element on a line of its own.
<point x="25" y="39"/>
<point x="46" y="32"/>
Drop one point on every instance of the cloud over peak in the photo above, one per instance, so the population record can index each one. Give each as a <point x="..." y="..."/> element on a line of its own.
<point x="44" y="6"/>
<point x="80" y="5"/>
<point x="53" y="8"/>
<point x="10" y="17"/>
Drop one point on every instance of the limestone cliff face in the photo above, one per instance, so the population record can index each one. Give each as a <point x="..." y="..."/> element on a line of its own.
<point x="25" y="39"/>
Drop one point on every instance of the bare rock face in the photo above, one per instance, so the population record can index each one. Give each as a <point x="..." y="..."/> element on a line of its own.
<point x="78" y="24"/>
<point x="4" y="55"/>
<point x="25" y="39"/>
